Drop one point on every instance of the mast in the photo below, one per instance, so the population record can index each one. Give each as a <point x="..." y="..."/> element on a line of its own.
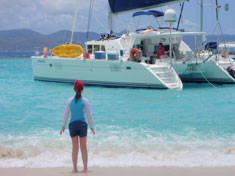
<point x="202" y="27"/>
<point x="74" y="21"/>
<point x="217" y="12"/>
<point x="220" y="32"/>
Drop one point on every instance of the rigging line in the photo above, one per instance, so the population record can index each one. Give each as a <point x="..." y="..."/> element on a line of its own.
<point x="65" y="36"/>
<point x="205" y="77"/>
<point x="218" y="21"/>
<point x="88" y="21"/>
<point x="157" y="22"/>
<point x="129" y="26"/>
<point x="214" y="29"/>
<point x="181" y="11"/>
<point x="123" y="22"/>
<point x="98" y="21"/>
<point x="134" y="25"/>
<point x="162" y="21"/>
<point x="211" y="17"/>
<point x="74" y="21"/>
<point x="89" y="17"/>
<point x="220" y="31"/>
<point x="138" y="22"/>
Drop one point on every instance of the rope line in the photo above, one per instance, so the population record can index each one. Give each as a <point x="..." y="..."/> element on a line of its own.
<point x="205" y="77"/>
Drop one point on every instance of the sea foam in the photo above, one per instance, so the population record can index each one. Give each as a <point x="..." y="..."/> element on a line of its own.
<point x="49" y="149"/>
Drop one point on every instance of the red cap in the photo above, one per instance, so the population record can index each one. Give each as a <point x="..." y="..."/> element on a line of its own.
<point x="78" y="86"/>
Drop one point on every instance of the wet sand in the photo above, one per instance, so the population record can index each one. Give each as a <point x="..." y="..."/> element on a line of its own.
<point x="122" y="171"/>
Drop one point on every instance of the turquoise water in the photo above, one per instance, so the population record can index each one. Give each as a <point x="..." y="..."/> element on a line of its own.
<point x="134" y="127"/>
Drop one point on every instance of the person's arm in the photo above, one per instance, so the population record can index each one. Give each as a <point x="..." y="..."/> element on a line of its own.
<point x="66" y="115"/>
<point x="88" y="114"/>
<point x="164" y="51"/>
<point x="158" y="53"/>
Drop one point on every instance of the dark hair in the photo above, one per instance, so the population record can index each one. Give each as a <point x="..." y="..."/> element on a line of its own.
<point x="78" y="95"/>
<point x="161" y="44"/>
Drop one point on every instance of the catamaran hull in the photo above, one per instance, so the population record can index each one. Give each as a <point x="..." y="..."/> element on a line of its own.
<point x="201" y="72"/>
<point x="95" y="72"/>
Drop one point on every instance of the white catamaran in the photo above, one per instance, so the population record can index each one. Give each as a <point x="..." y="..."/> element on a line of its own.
<point x="130" y="59"/>
<point x="210" y="64"/>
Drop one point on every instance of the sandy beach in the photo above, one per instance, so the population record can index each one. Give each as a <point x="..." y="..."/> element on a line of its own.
<point x="121" y="171"/>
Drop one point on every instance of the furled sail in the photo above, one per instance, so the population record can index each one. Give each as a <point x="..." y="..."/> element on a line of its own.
<point x="118" y="6"/>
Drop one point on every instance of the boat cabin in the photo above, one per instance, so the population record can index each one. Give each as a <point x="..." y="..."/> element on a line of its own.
<point x="146" y="42"/>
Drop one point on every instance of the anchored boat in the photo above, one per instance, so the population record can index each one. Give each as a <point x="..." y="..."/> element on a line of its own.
<point x="130" y="59"/>
<point x="109" y="62"/>
<point x="210" y="64"/>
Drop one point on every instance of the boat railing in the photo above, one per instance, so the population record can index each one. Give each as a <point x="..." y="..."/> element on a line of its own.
<point x="163" y="61"/>
<point x="194" y="56"/>
<point x="181" y="30"/>
<point x="220" y="58"/>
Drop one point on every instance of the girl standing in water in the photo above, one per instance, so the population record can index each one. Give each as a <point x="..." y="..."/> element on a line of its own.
<point x="78" y="106"/>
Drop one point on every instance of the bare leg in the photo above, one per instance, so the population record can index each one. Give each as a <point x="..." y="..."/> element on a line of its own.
<point x="84" y="152"/>
<point x="75" y="153"/>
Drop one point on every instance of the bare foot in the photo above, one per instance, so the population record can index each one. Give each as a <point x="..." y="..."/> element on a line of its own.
<point x="85" y="170"/>
<point x="75" y="170"/>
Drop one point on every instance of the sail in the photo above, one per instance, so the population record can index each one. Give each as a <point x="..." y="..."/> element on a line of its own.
<point x="118" y="6"/>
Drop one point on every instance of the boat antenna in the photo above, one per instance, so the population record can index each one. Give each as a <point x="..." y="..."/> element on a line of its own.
<point x="89" y="18"/>
<point x="74" y="21"/>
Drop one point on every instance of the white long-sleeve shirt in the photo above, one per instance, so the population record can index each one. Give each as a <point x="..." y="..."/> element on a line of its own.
<point x="86" y="111"/>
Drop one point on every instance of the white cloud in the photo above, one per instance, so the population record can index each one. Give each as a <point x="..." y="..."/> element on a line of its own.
<point x="46" y="15"/>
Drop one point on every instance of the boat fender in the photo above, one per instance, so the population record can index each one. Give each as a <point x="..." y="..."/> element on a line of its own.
<point x="86" y="55"/>
<point x="134" y="53"/>
<point x="45" y="51"/>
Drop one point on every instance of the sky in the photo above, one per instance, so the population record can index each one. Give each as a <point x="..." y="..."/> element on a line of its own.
<point x="47" y="16"/>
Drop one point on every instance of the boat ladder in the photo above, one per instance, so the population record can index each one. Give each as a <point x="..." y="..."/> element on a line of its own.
<point x="167" y="76"/>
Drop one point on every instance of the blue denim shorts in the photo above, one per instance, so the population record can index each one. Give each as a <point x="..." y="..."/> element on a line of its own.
<point x="78" y="128"/>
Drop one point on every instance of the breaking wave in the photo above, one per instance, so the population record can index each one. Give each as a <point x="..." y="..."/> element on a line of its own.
<point x="49" y="149"/>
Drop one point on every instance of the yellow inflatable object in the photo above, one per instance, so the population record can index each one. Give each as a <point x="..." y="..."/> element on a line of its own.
<point x="67" y="50"/>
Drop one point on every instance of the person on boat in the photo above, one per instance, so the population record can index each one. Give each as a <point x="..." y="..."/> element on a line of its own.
<point x="78" y="106"/>
<point x="161" y="51"/>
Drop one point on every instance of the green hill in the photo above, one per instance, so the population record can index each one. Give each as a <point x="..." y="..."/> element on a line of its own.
<point x="22" y="40"/>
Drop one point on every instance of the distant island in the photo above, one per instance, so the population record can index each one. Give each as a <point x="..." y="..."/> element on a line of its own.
<point x="26" y="40"/>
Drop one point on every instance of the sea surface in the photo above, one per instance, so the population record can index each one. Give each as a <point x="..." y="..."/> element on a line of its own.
<point x="134" y="127"/>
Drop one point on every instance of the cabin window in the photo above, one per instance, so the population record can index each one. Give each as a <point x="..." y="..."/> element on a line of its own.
<point x="102" y="48"/>
<point x="89" y="49"/>
<point x="96" y="48"/>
